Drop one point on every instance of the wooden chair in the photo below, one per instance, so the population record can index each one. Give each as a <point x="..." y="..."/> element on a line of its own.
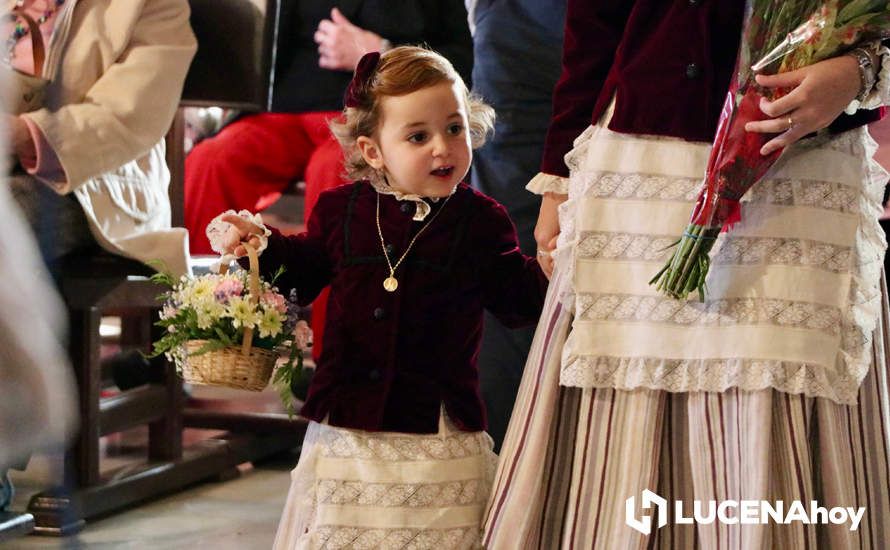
<point x="102" y="283"/>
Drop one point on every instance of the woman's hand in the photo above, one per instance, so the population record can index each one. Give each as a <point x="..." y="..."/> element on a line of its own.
<point x="547" y="230"/>
<point x="341" y="44"/>
<point x="819" y="94"/>
<point x="240" y="231"/>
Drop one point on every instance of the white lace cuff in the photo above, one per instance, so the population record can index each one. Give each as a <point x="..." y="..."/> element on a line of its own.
<point x="880" y="93"/>
<point x="548" y="183"/>
<point x="217" y="230"/>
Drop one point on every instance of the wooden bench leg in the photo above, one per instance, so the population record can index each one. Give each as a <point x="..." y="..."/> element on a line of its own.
<point x="82" y="461"/>
<point x="165" y="435"/>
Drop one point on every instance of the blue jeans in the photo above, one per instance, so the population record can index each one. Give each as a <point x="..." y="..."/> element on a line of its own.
<point x="517" y="59"/>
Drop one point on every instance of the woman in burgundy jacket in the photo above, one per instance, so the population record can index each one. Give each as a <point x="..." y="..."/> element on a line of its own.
<point x="775" y="387"/>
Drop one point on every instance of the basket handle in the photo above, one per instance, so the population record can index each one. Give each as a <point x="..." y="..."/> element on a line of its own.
<point x="254" y="281"/>
<point x="37" y="48"/>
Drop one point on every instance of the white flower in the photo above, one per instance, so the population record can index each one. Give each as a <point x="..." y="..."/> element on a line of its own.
<point x="242" y="312"/>
<point x="209" y="312"/>
<point x="205" y="319"/>
<point x="270" y="323"/>
<point x="197" y="293"/>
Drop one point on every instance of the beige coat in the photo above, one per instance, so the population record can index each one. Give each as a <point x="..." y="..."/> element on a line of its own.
<point x="116" y="69"/>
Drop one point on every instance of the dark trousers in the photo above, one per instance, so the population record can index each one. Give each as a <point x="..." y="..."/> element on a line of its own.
<point x="517" y="56"/>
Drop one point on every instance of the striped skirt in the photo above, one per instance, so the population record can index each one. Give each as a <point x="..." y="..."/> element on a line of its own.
<point x="383" y="490"/>
<point x="574" y="456"/>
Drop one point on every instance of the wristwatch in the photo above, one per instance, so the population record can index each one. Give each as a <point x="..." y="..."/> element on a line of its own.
<point x="866" y="71"/>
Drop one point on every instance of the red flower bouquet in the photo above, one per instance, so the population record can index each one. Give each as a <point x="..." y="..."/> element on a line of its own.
<point x="782" y="36"/>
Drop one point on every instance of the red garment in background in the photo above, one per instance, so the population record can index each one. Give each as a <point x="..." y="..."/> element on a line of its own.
<point x="249" y="163"/>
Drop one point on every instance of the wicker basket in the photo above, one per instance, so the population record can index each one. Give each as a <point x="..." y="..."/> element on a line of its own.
<point x="229" y="367"/>
<point x="244" y="368"/>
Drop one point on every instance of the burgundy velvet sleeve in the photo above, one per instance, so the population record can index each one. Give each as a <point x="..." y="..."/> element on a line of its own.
<point x="513" y="284"/>
<point x="593" y="31"/>
<point x="307" y="264"/>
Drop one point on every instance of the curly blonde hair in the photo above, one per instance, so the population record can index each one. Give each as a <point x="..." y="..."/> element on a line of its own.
<point x="403" y="70"/>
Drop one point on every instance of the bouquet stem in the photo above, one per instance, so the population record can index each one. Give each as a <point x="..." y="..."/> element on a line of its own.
<point x="688" y="266"/>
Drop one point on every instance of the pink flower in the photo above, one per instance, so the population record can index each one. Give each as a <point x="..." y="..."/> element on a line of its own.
<point x="303" y="335"/>
<point x="275" y="300"/>
<point x="169" y="311"/>
<point x="227" y="288"/>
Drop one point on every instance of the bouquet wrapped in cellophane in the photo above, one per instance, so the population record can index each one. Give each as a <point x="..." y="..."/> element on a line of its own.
<point x="781" y="36"/>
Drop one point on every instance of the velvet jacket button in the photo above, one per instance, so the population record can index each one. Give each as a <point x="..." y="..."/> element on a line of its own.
<point x="379" y="313"/>
<point x="374" y="375"/>
<point x="693" y="71"/>
<point x="407" y="208"/>
<point x="390" y="249"/>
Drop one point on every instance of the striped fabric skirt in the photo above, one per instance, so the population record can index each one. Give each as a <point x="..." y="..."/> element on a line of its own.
<point x="773" y="389"/>
<point x="383" y="490"/>
<point x="573" y="456"/>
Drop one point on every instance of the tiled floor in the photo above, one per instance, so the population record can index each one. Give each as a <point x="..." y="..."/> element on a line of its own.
<point x="239" y="514"/>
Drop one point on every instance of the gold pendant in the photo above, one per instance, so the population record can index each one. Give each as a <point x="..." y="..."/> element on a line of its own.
<point x="390" y="284"/>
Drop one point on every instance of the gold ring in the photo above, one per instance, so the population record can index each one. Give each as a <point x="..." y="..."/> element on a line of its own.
<point x="790" y="123"/>
<point x="543" y="253"/>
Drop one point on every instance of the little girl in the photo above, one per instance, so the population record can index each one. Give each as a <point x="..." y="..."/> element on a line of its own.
<point x="396" y="454"/>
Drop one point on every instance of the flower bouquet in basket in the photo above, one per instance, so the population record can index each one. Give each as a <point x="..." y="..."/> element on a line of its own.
<point x="231" y="329"/>
<point x="781" y="36"/>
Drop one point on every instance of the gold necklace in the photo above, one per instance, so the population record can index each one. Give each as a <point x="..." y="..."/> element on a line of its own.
<point x="391" y="283"/>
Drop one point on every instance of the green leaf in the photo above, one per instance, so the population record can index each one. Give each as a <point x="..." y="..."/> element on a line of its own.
<point x="211" y="345"/>
<point x="161" y="267"/>
<point x="285" y="374"/>
<point x="278" y="273"/>
<point x="223" y="337"/>
<point x="859" y="7"/>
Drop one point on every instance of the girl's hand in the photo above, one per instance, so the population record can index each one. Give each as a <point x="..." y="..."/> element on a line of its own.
<point x="819" y="94"/>
<point x="547" y="230"/>
<point x="341" y="44"/>
<point x="239" y="232"/>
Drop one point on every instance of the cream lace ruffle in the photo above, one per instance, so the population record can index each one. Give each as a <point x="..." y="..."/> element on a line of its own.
<point x="842" y="266"/>
<point x="880" y="94"/>
<point x="548" y="183"/>
<point x="217" y="230"/>
<point x="423" y="207"/>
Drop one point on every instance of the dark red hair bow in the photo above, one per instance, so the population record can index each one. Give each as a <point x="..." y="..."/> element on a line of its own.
<point x="359" y="84"/>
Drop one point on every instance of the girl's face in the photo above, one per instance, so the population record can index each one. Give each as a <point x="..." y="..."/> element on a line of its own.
<point x="422" y="142"/>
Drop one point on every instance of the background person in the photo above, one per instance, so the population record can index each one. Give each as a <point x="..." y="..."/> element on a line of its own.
<point x="774" y="387"/>
<point x="90" y="160"/>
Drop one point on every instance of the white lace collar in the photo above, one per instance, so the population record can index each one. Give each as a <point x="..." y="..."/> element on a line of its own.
<point x="423" y="207"/>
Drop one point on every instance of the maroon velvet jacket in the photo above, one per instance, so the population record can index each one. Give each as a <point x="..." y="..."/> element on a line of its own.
<point x="668" y="63"/>
<point x="391" y="358"/>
